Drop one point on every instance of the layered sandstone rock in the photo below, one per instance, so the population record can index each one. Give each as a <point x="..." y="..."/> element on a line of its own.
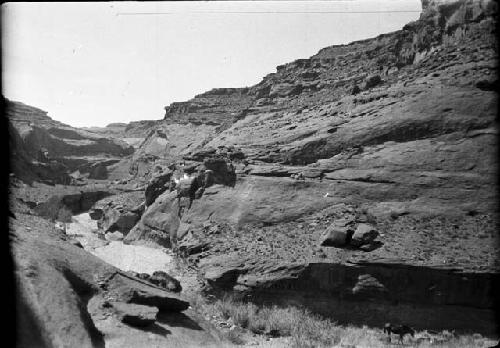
<point x="51" y="149"/>
<point x="400" y="129"/>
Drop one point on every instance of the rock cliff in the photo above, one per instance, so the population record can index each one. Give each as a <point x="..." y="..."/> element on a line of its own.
<point x="399" y="131"/>
<point x="52" y="150"/>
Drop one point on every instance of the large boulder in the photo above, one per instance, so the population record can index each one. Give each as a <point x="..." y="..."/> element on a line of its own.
<point x="372" y="81"/>
<point x="337" y="234"/>
<point x="166" y="281"/>
<point x="364" y="234"/>
<point x="158" y="223"/>
<point x="119" y="212"/>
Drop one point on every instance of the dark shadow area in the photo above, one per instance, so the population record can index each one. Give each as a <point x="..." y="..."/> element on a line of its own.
<point x="85" y="291"/>
<point x="28" y="331"/>
<point x="367" y="247"/>
<point x="157" y="330"/>
<point x="178" y="320"/>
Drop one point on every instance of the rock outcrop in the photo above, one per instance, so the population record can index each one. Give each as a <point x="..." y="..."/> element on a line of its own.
<point x="52" y="150"/>
<point x="171" y="193"/>
<point x="400" y="129"/>
<point x="119" y="213"/>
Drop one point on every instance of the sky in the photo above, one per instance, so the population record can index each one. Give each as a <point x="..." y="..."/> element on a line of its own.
<point x="91" y="64"/>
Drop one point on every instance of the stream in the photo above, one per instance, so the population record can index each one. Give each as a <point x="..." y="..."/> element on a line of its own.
<point x="137" y="258"/>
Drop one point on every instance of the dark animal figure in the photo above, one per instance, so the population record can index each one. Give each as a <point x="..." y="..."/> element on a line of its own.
<point x="400" y="330"/>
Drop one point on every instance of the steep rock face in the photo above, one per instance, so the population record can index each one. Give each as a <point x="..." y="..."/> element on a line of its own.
<point x="399" y="131"/>
<point x="132" y="133"/>
<point x="216" y="107"/>
<point x="365" y="293"/>
<point x="28" y="169"/>
<point x="47" y="143"/>
<point x="171" y="194"/>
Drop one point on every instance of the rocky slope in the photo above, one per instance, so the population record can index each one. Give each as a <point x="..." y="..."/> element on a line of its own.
<point x="67" y="297"/>
<point x="50" y="150"/>
<point x="398" y="131"/>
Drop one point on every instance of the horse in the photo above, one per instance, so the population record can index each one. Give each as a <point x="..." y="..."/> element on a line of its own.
<point x="400" y="330"/>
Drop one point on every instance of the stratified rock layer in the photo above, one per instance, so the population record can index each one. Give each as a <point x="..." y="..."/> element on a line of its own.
<point x="398" y="132"/>
<point x="51" y="150"/>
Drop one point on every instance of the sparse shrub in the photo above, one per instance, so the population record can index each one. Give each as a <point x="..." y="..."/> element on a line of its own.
<point x="284" y="320"/>
<point x="307" y="330"/>
<point x="241" y="314"/>
<point x="258" y="324"/>
<point x="312" y="331"/>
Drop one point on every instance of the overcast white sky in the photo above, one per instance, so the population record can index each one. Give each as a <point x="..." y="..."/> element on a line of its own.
<point x="91" y="64"/>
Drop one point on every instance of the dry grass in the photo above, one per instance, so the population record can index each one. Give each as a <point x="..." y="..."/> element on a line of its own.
<point x="306" y="330"/>
<point x="303" y="328"/>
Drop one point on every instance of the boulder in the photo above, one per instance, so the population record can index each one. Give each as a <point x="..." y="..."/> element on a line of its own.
<point x="95" y="213"/>
<point x="159" y="222"/>
<point x="363" y="235"/>
<point x="337" y="235"/>
<point x="134" y="314"/>
<point x="368" y="286"/>
<point x="119" y="212"/>
<point x="166" y="281"/>
<point x="372" y="81"/>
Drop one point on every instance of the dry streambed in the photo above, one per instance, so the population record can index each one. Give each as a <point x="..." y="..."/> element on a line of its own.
<point x="136" y="258"/>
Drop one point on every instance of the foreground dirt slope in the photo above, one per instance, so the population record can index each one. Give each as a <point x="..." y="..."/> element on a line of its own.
<point x="67" y="297"/>
<point x="398" y="132"/>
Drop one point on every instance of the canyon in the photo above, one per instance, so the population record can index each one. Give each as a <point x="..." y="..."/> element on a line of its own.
<point x="360" y="183"/>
